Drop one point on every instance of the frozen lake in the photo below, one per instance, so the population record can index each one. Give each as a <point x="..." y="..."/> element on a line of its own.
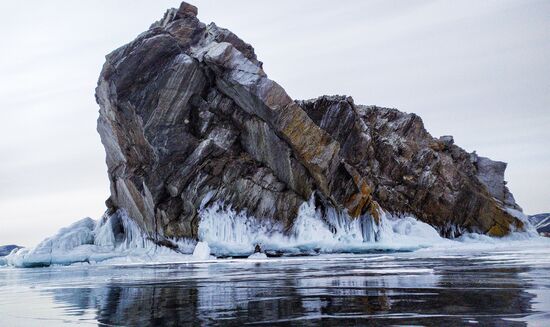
<point x="504" y="285"/>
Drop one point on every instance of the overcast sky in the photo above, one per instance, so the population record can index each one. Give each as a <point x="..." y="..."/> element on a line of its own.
<point x="478" y="70"/>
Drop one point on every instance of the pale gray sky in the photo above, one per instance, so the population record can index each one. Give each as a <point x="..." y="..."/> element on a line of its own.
<point x="478" y="70"/>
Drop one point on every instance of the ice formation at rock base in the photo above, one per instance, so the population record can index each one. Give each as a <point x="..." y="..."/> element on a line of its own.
<point x="224" y="232"/>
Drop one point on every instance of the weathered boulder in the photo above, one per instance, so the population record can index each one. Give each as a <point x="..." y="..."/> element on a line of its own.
<point x="188" y="117"/>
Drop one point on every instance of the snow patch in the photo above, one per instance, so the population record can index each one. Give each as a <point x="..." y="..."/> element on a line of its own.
<point x="202" y="251"/>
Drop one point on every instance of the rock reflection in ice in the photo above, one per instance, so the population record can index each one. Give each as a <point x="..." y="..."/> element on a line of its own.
<point x="400" y="288"/>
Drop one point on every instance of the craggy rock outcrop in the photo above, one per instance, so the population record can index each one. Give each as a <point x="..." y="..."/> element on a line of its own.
<point x="491" y="174"/>
<point x="412" y="172"/>
<point x="189" y="117"/>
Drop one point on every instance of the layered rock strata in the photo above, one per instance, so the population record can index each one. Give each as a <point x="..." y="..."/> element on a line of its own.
<point x="188" y="117"/>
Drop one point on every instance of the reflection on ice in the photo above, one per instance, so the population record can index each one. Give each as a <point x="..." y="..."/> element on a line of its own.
<point x="397" y="288"/>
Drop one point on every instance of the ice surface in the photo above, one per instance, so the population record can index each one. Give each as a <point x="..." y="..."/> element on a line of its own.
<point x="224" y="232"/>
<point x="505" y="285"/>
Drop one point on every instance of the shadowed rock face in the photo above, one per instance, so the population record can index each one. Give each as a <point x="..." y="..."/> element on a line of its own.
<point x="189" y="117"/>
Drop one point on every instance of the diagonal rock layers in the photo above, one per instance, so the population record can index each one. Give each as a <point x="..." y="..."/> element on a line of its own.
<point x="188" y="117"/>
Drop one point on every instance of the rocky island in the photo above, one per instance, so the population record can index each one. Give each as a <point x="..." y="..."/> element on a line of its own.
<point x="201" y="146"/>
<point x="232" y="203"/>
<point x="188" y="117"/>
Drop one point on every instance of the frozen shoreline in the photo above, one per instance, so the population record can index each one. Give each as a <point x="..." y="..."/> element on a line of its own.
<point x="224" y="233"/>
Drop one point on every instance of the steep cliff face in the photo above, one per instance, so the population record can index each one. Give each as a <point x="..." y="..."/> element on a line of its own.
<point x="188" y="117"/>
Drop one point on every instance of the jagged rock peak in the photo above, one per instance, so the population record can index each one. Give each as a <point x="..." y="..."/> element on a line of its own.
<point x="188" y="118"/>
<point x="187" y="9"/>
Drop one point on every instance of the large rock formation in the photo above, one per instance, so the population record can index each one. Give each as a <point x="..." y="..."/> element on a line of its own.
<point x="188" y="117"/>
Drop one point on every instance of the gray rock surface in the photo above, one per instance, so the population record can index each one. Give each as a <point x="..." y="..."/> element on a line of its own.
<point x="189" y="117"/>
<point x="491" y="174"/>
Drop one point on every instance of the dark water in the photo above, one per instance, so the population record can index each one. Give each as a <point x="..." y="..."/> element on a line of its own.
<point x="497" y="288"/>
